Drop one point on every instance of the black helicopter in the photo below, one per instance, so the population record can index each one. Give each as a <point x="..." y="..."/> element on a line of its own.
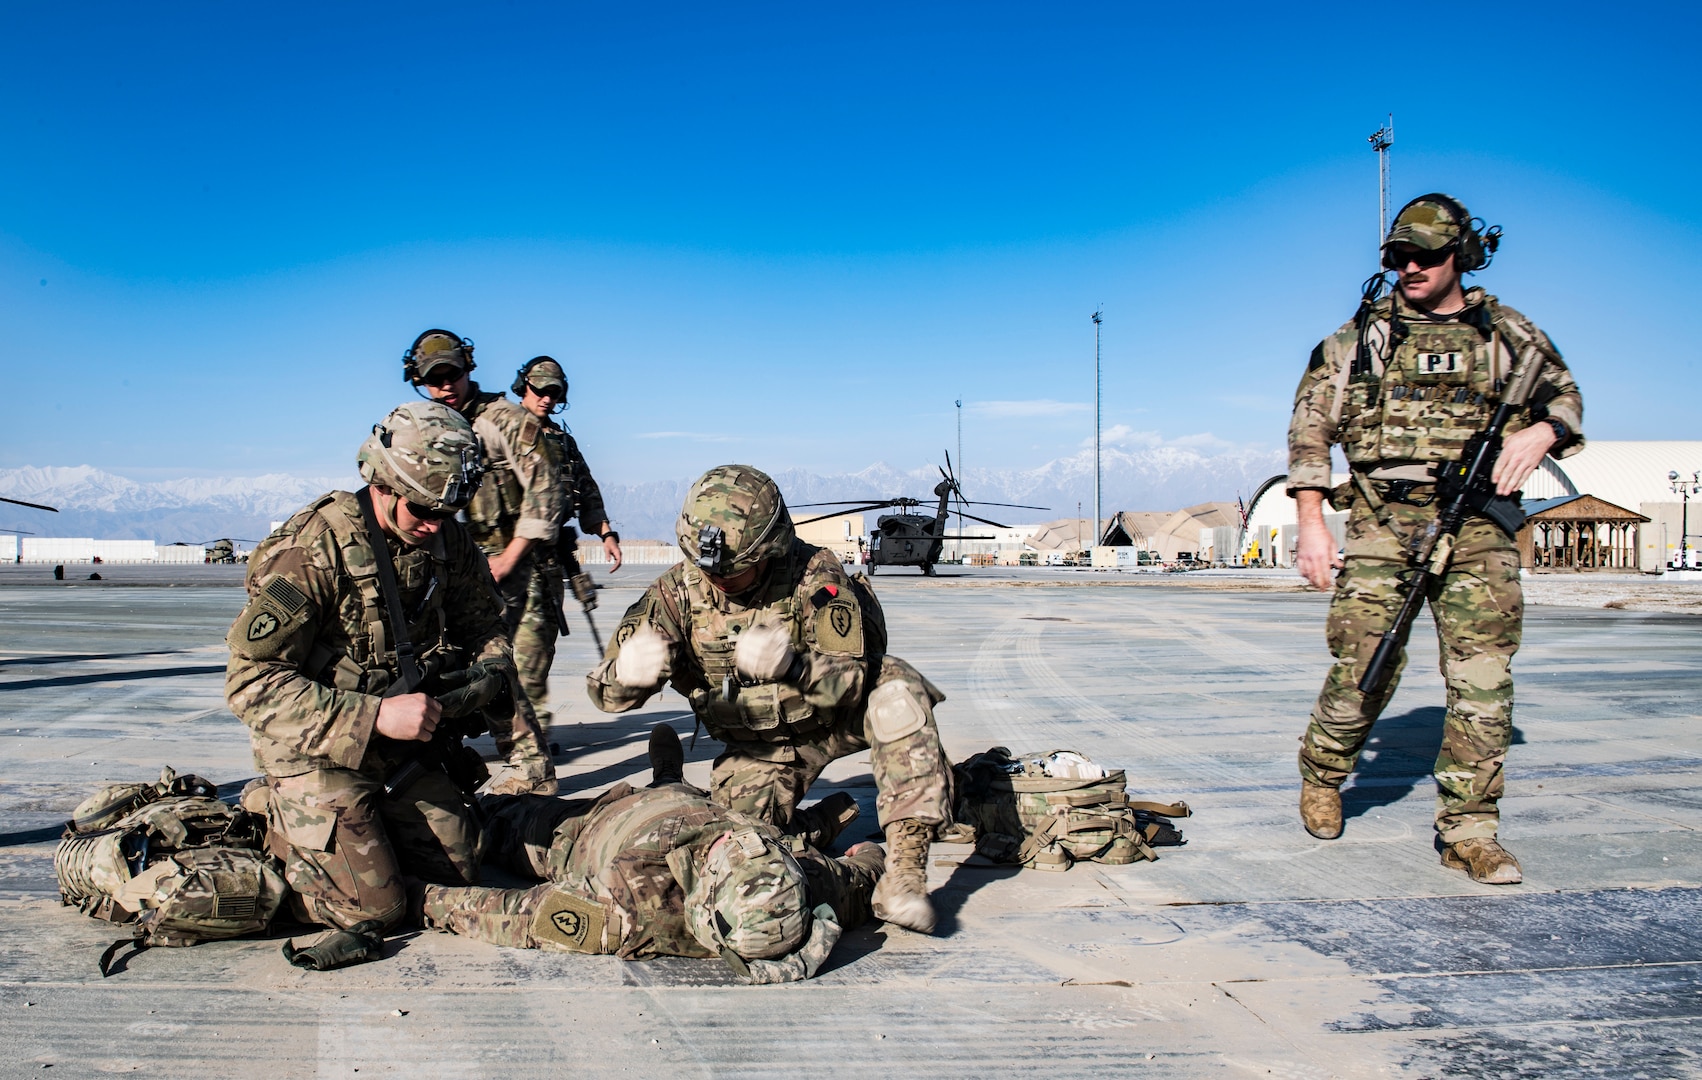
<point x="908" y="539"/>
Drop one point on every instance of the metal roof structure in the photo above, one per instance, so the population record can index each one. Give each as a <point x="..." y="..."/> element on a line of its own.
<point x="1625" y="473"/>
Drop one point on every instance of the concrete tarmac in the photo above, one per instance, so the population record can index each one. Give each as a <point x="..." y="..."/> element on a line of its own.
<point x="1254" y="950"/>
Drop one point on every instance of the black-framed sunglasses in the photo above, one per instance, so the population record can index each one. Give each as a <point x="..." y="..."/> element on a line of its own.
<point x="444" y="375"/>
<point x="1399" y="256"/>
<point x="554" y="393"/>
<point x="428" y="513"/>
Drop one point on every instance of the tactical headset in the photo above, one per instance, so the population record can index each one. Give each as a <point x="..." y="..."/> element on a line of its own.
<point x="411" y="359"/>
<point x="1476" y="246"/>
<point x="519" y="387"/>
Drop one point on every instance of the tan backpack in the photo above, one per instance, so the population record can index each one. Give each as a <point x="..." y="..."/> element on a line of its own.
<point x="1023" y="811"/>
<point x="180" y="868"/>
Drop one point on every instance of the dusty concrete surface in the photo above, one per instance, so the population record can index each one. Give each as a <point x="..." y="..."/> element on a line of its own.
<point x="1255" y="950"/>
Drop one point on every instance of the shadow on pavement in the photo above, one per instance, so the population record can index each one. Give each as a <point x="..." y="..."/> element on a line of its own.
<point x="115" y="676"/>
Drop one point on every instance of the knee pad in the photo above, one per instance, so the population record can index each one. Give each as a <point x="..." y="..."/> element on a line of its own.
<point x="894" y="712"/>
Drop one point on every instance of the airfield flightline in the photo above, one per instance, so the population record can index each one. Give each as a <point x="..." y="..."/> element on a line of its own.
<point x="1254" y="950"/>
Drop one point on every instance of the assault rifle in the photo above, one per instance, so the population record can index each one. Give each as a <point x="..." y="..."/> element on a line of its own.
<point x="1463" y="487"/>
<point x="584" y="589"/>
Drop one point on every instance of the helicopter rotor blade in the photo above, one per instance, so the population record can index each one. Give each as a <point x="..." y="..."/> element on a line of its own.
<point x="1020" y="506"/>
<point x="31" y="505"/>
<point x="841" y="502"/>
<point x="842" y="513"/>
<point x="984" y="521"/>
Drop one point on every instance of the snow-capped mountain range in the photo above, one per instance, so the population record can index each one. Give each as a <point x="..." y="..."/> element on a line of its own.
<point x="1150" y="477"/>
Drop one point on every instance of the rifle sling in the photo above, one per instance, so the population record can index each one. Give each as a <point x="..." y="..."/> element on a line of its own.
<point x="407" y="668"/>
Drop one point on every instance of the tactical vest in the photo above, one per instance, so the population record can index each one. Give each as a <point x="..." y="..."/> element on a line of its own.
<point x="1437" y="390"/>
<point x="358" y="654"/>
<point x="183" y="868"/>
<point x="554" y="440"/>
<point x="495" y="508"/>
<point x="766" y="712"/>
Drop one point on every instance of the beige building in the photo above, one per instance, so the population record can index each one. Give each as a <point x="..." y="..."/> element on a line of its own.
<point x="843" y="533"/>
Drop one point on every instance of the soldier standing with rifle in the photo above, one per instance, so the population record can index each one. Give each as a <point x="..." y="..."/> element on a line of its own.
<point x="360" y="607"/>
<point x="1444" y="401"/>
<point x="516" y="514"/>
<point x="541" y="386"/>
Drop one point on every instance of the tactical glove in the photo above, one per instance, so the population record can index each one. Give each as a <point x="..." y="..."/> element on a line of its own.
<point x="764" y="654"/>
<point x="467" y="691"/>
<point x="642" y="659"/>
<point x="798" y="966"/>
<point x="358" y="944"/>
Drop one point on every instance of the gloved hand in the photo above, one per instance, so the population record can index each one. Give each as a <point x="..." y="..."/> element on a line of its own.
<point x="764" y="654"/>
<point x="358" y="944"/>
<point x="798" y="966"/>
<point x="642" y="659"/>
<point x="472" y="688"/>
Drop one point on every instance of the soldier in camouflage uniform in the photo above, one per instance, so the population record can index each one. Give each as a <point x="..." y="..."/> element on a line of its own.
<point x="517" y="511"/>
<point x="313" y="655"/>
<point x="783" y="658"/>
<point x="1401" y="388"/>
<point x="541" y="386"/>
<point x="659" y="872"/>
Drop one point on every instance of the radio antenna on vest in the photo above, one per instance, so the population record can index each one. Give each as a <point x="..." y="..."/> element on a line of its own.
<point x="1381" y="140"/>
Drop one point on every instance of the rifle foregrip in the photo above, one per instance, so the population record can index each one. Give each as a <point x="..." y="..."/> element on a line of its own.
<point x="1382" y="662"/>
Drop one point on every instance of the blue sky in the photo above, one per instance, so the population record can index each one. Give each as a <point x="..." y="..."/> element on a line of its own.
<point x="794" y="234"/>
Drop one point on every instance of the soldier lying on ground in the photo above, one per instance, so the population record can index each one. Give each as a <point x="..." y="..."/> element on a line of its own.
<point x="658" y="872"/>
<point x="783" y="658"/>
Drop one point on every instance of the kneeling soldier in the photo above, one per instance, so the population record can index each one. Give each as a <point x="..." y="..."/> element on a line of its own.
<point x="355" y="602"/>
<point x="783" y="659"/>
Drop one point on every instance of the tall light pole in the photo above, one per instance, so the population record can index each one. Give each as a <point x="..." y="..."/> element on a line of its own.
<point x="1381" y="140"/>
<point x="1097" y="319"/>
<point x="1685" y="489"/>
<point x="959" y="472"/>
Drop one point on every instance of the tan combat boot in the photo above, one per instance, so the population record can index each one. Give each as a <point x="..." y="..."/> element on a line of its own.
<point x="901" y="898"/>
<point x="1484" y="859"/>
<point x="1321" y="810"/>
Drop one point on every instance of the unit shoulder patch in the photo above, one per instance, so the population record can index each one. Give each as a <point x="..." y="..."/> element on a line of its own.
<point x="566" y="921"/>
<point x="839" y="627"/>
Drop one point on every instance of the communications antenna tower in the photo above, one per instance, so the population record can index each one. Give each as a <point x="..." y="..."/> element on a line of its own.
<point x="1097" y="318"/>
<point x="1381" y="140"/>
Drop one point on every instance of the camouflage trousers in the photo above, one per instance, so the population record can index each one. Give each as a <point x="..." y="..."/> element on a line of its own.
<point x="1478" y="608"/>
<point x="896" y="725"/>
<point x="346" y="846"/>
<point x="527" y="613"/>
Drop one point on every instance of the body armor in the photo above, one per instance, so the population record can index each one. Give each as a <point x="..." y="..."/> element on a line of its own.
<point x="1436" y="392"/>
<point x="766" y="712"/>
<point x="495" y="508"/>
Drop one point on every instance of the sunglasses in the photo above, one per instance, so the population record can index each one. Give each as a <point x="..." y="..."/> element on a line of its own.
<point x="427" y="513"/>
<point x="444" y="375"/>
<point x="1399" y="256"/>
<point x="552" y="392"/>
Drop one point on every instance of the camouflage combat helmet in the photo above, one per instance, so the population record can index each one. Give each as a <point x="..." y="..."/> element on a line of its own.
<point x="426" y="453"/>
<point x="747" y="896"/>
<point x="434" y="348"/>
<point x="1437" y="222"/>
<point x="734" y="517"/>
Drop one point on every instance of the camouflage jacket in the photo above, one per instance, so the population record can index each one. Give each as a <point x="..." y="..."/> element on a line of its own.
<point x="616" y="854"/>
<point x="522" y="493"/>
<point x="311" y="655"/>
<point x="809" y="594"/>
<point x="1386" y="417"/>
<point x="581" y="496"/>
